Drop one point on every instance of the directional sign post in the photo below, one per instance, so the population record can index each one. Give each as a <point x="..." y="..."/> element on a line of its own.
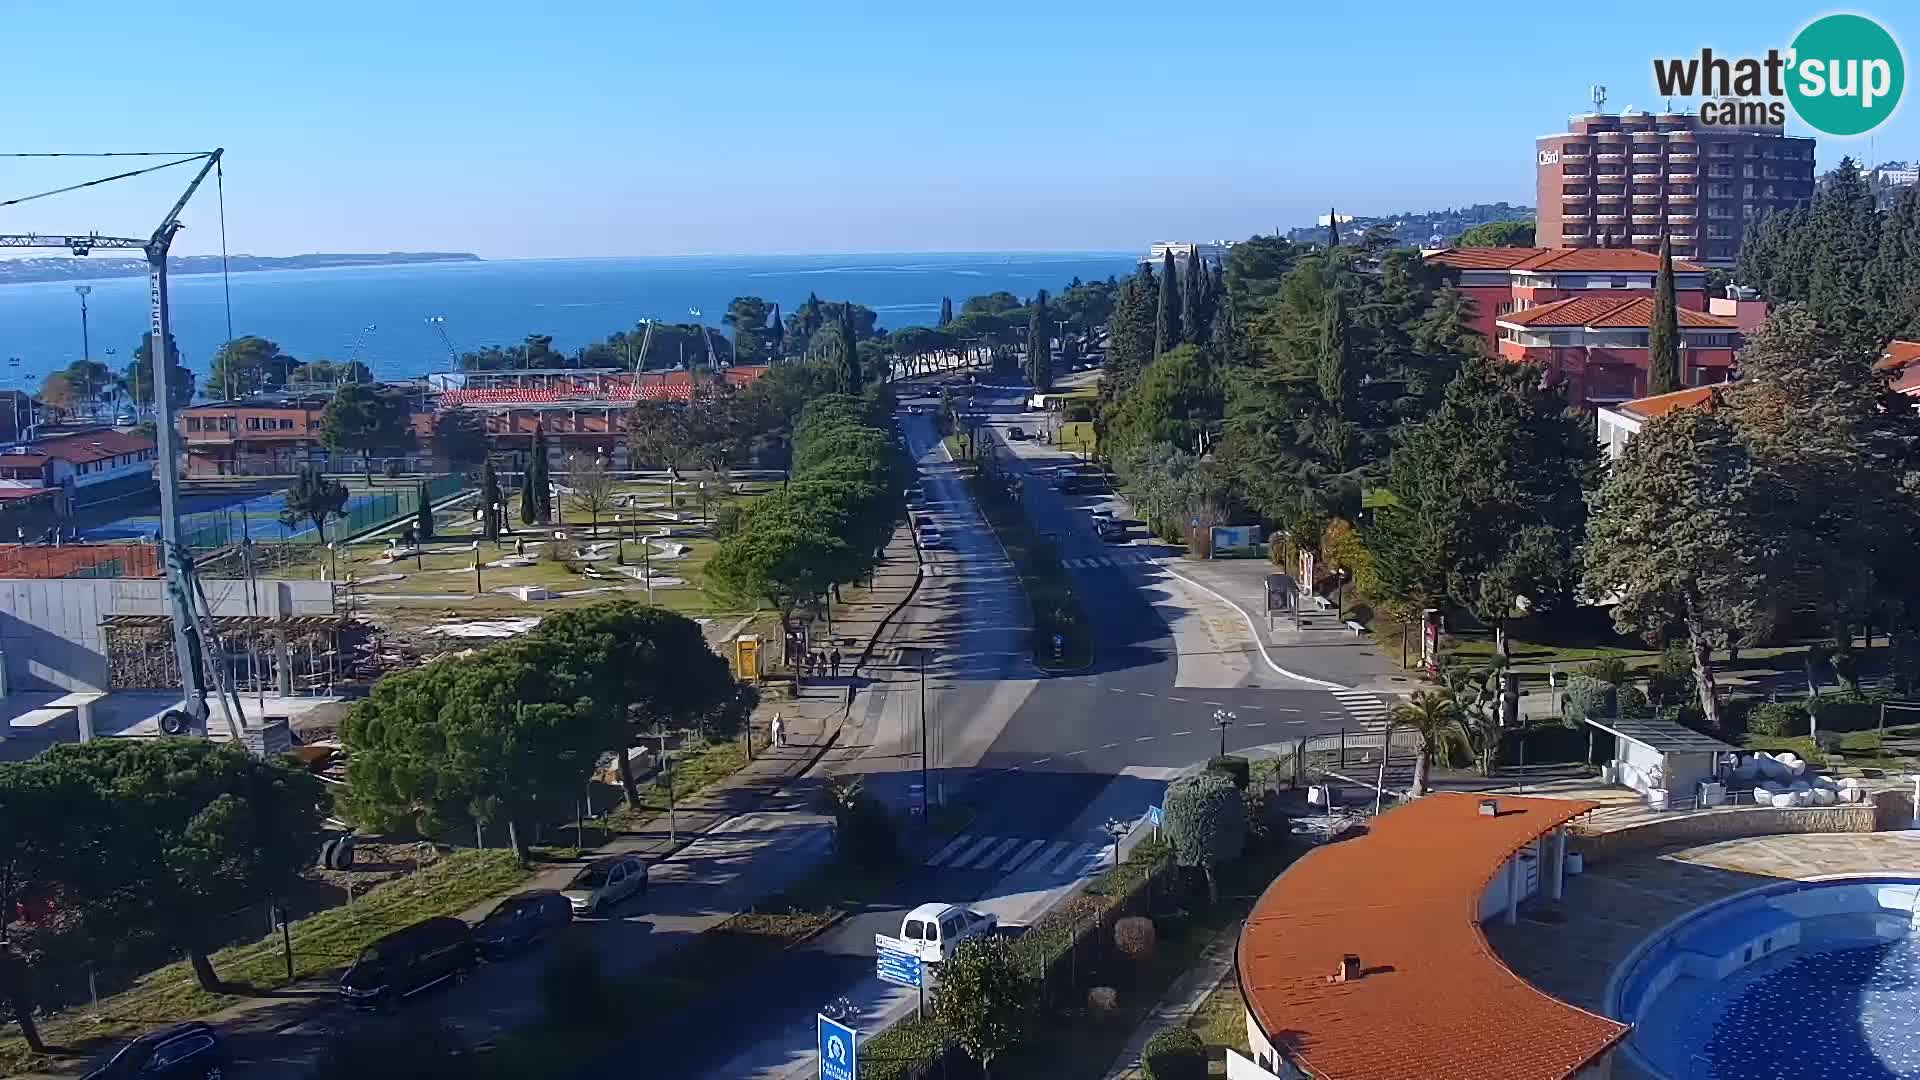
<point x="839" y="1053"/>
<point x="894" y="962"/>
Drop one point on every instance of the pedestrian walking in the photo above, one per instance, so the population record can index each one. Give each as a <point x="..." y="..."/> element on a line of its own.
<point x="779" y="731"/>
<point x="834" y="659"/>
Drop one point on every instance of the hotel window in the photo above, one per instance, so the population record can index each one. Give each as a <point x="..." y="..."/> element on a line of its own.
<point x="253" y="423"/>
<point x="193" y="423"/>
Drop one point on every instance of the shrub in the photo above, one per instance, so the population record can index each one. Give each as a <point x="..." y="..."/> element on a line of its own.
<point x="1232" y="767"/>
<point x="1135" y="937"/>
<point x="1175" y="1053"/>
<point x="1587" y="696"/>
<point x="1778" y="719"/>
<point x="1632" y="701"/>
<point x="573" y="987"/>
<point x="1608" y="669"/>
<point x="1103" y="1002"/>
<point x="1672" y="680"/>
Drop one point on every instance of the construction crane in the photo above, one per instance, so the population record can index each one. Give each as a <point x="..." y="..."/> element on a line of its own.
<point x="191" y="616"/>
<point x="646" y="341"/>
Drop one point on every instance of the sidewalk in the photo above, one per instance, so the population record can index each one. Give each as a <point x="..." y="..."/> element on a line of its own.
<point x="1323" y="646"/>
<point x="722" y="849"/>
<point x="1179" y="1003"/>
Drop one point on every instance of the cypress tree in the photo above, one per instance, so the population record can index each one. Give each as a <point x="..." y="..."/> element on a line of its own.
<point x="490" y="496"/>
<point x="776" y="333"/>
<point x="946" y="310"/>
<point x="1130" y="331"/>
<point x="1333" y="229"/>
<point x="529" y="507"/>
<point x="1335" y="367"/>
<point x="1663" y="334"/>
<point x="1193" y="295"/>
<point x="423" y="520"/>
<point x="1166" y="323"/>
<point x="1039" y="345"/>
<point x="851" y="381"/>
<point x="538" y="477"/>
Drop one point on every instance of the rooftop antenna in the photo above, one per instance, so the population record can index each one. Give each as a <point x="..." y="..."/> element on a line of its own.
<point x="1598" y="94"/>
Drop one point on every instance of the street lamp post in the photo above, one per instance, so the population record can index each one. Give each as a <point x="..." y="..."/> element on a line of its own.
<point x="439" y="323"/>
<point x="909" y="654"/>
<point x="1223" y="720"/>
<point x="476" y="568"/>
<point x="1117" y="831"/>
<point x="86" y="345"/>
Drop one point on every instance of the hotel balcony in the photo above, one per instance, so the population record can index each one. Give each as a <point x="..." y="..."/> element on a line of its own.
<point x="1576" y="197"/>
<point x="1574" y="215"/>
<point x="1681" y="217"/>
<point x="1642" y="198"/>
<point x="1647" y="219"/>
<point x="1611" y="196"/>
<point x="1678" y="195"/>
<point x="1648" y="157"/>
<point x="1611" y="157"/>
<point x="1610" y="219"/>
<point x="1683" y="155"/>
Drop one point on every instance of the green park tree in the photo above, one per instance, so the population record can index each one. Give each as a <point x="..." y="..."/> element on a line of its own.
<point x="983" y="998"/>
<point x="178" y="834"/>
<point x="747" y="317"/>
<point x="539" y="480"/>
<point x="363" y="418"/>
<point x="1130" y="331"/>
<point x="423" y="517"/>
<point x="492" y="501"/>
<point x="1663" y="334"/>
<point x="1206" y="821"/>
<point x="137" y="379"/>
<point x="1177" y="401"/>
<point x="1040" y="344"/>
<point x="1509" y="234"/>
<point x="250" y="365"/>
<point x="458" y="438"/>
<point x="1196" y="323"/>
<point x="313" y="498"/>
<point x="502" y="736"/>
<point x="946" y="310"/>
<point x="1434" y="719"/>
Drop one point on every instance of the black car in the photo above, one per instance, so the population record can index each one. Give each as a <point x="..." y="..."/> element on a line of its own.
<point x="408" y="961"/>
<point x="192" y="1051"/>
<point x="521" y="920"/>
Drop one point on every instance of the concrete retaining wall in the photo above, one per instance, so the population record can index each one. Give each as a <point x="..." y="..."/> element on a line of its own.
<point x="1727" y="823"/>
<point x="50" y="632"/>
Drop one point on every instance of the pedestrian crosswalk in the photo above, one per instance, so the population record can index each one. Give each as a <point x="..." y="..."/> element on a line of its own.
<point x="1006" y="854"/>
<point x="1368" y="711"/>
<point x="1121" y="558"/>
<point x="767" y="832"/>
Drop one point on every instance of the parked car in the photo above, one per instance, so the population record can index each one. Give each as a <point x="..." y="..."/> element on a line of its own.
<point x="933" y="931"/>
<point x="929" y="536"/>
<point x="408" y="961"/>
<point x="1110" y="530"/>
<point x="1016" y="433"/>
<point x="520" y="921"/>
<point x="603" y="883"/>
<point x="191" y="1051"/>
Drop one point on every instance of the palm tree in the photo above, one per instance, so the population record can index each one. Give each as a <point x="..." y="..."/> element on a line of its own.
<point x="1434" y="717"/>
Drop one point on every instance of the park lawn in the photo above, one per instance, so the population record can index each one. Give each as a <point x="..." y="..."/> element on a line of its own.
<point x="322" y="942"/>
<point x="1078" y="436"/>
<point x="1221" y="1019"/>
<point x="695" y="767"/>
<point x="1374" y="498"/>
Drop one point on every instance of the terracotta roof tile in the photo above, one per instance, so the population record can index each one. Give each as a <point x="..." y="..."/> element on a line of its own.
<point x="1559" y="260"/>
<point x="1434" y="1000"/>
<point x="93" y="446"/>
<point x="1631" y="312"/>
<point x="1661" y="404"/>
<point x="1899" y="354"/>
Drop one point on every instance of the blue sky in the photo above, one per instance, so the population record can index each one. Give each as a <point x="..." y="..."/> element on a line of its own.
<point x="598" y="129"/>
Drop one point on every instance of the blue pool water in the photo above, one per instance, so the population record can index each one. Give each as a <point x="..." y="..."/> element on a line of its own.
<point x="1802" y="979"/>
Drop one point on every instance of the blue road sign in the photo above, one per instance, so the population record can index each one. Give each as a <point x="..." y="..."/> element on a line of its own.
<point x="896" y="967"/>
<point x="1153" y="816"/>
<point x="839" y="1054"/>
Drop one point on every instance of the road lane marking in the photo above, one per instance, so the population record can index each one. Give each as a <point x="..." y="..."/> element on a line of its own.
<point x="1142" y="693"/>
<point x="1183" y="733"/>
<point x="1116" y="690"/>
<point x="1023" y="854"/>
<point x="1253" y="706"/>
<point x="941" y="855"/>
<point x="1110" y="746"/>
<point x="1257" y="723"/>
<point x="1077" y="753"/>
<point x="1045" y="858"/>
<point x="1176" y="699"/>
<point x="967" y="856"/>
<point x="1144" y="738"/>
<point x="1077" y="856"/>
<point x="1296" y="721"/>
<point x="1220" y="703"/>
<point x="993" y="856"/>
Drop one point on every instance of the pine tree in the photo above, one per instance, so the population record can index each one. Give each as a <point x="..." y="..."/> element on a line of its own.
<point x="1333" y="229"/>
<point x="1166" y="323"/>
<point x="1193" y="296"/>
<point x="1663" y="333"/>
<point x="1130" y="331"/>
<point x="946" y="310"/>
<point x="1895" y="273"/>
<point x="1844" y="228"/>
<point x="1040" y="345"/>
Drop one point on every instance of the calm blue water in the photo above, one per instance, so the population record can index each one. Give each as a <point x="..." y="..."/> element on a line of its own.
<point x="319" y="313"/>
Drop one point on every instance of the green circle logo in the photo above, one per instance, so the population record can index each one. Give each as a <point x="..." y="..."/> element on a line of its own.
<point x="1847" y="74"/>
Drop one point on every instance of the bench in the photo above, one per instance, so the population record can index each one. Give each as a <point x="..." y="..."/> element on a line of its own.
<point x="1356" y="628"/>
<point x="1321" y="602"/>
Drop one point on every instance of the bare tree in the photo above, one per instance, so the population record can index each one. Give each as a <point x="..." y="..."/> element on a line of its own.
<point x="592" y="486"/>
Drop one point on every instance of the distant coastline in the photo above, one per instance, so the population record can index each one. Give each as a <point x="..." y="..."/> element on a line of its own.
<point x="70" y="268"/>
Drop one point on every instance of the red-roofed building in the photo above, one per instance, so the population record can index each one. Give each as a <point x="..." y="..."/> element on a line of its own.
<point x="88" y="466"/>
<point x="1598" y="345"/>
<point x="1902" y="358"/>
<point x="1500" y="281"/>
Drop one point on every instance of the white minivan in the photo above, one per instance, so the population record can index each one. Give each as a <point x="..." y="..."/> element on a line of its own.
<point x="933" y="931"/>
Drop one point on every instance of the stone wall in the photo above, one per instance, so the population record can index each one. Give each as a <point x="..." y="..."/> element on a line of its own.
<point x="1726" y="823"/>
<point x="1893" y="808"/>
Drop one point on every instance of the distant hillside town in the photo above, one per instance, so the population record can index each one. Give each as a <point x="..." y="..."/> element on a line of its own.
<point x="1432" y="228"/>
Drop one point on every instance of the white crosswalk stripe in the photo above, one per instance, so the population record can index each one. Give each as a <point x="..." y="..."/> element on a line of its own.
<point x="1118" y="559"/>
<point x="1027" y="855"/>
<point x="1367" y="710"/>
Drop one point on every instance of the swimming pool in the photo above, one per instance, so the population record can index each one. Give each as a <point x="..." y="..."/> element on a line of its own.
<point x="1803" y="978"/>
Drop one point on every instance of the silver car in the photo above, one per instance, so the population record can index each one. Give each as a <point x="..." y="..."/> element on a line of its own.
<point x="603" y="883"/>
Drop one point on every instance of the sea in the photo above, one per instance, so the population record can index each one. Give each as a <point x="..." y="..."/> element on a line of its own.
<point x="386" y="314"/>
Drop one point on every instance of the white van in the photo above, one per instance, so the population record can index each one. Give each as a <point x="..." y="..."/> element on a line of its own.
<point x="933" y="931"/>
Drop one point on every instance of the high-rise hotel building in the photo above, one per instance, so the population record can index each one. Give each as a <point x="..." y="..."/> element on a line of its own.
<point x="1624" y="180"/>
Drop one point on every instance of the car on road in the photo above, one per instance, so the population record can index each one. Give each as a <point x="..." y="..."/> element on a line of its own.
<point x="934" y="931"/>
<point x="191" y="1051"/>
<point x="929" y="536"/>
<point x="521" y="921"/>
<point x="913" y="410"/>
<point x="1109" y="530"/>
<point x="1016" y="433"/>
<point x="603" y="883"/>
<point x="408" y="961"/>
